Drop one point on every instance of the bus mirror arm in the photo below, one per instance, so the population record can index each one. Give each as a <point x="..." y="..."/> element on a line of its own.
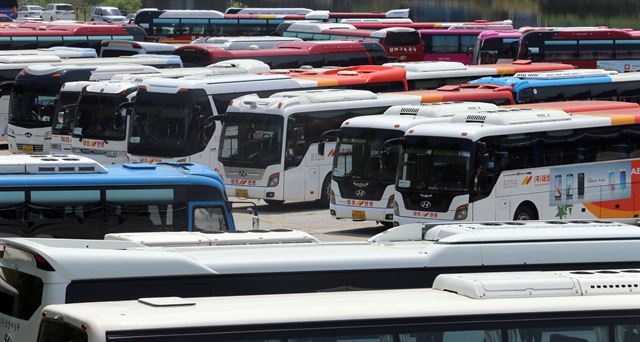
<point x="330" y="135"/>
<point x="253" y="210"/>
<point x="391" y="142"/>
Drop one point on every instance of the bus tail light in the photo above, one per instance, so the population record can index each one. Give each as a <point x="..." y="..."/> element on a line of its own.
<point x="461" y="212"/>
<point x="136" y="46"/>
<point x="274" y="179"/>
<point x="391" y="201"/>
<point x="42" y="263"/>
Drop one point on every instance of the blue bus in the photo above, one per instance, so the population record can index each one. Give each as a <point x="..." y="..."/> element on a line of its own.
<point x="65" y="196"/>
<point x="579" y="84"/>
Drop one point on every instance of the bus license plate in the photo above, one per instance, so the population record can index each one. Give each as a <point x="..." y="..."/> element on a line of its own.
<point x="27" y="148"/>
<point x="357" y="215"/>
<point x="242" y="193"/>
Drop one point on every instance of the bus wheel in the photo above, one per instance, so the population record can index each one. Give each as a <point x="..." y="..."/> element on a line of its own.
<point x="525" y="212"/>
<point x="326" y="192"/>
<point x="273" y="203"/>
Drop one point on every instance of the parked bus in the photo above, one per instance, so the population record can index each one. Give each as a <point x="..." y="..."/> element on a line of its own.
<point x="33" y="96"/>
<point x="74" y="271"/>
<point x="290" y="55"/>
<point x="433" y="75"/>
<point x="64" y="52"/>
<point x="271" y="148"/>
<point x="33" y="35"/>
<point x="364" y="168"/>
<point x="560" y="307"/>
<point x="519" y="164"/>
<point x="68" y="196"/>
<point x="101" y="119"/>
<point x="580" y="84"/>
<point x="117" y="48"/>
<point x="476" y="24"/>
<point x="400" y="44"/>
<point x="612" y="49"/>
<point x="455" y="45"/>
<point x="183" y="26"/>
<point x="198" y="99"/>
<point x="400" y="15"/>
<point x="496" y="47"/>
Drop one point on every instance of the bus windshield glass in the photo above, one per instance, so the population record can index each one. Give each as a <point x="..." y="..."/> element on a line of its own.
<point x="402" y="38"/>
<point x="435" y="164"/>
<point x="160" y="123"/>
<point x="360" y="153"/>
<point x="98" y="117"/>
<point x="63" y="123"/>
<point x="251" y="140"/>
<point x="31" y="108"/>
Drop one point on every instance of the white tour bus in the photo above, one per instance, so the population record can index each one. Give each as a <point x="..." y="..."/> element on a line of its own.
<point x="364" y="169"/>
<point x="101" y="118"/>
<point x="245" y="43"/>
<point x="563" y="306"/>
<point x="63" y="52"/>
<point x="271" y="148"/>
<point x="38" y="272"/>
<point x="118" y="48"/>
<point x="34" y="91"/>
<point x="173" y="119"/>
<point x="520" y="164"/>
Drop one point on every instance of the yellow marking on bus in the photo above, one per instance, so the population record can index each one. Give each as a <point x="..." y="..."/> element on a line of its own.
<point x="505" y="71"/>
<point x="431" y="98"/>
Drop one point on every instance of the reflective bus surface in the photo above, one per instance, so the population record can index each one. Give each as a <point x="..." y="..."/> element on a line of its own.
<point x="555" y="307"/>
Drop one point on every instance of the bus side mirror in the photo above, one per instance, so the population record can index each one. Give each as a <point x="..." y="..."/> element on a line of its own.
<point x="387" y="159"/>
<point x="331" y="135"/>
<point x="482" y="159"/>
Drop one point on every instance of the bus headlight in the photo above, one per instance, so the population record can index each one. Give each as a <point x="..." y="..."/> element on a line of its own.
<point x="11" y="132"/>
<point x="396" y="208"/>
<point x="274" y="179"/>
<point x="461" y="212"/>
<point x="391" y="201"/>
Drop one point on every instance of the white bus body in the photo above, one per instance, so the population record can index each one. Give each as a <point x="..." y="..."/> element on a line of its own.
<point x="56" y="271"/>
<point x="174" y="102"/>
<point x="539" y="164"/>
<point x="562" y="306"/>
<point x="33" y="135"/>
<point x="117" y="48"/>
<point x="362" y="186"/>
<point x="66" y="102"/>
<point x="64" y="52"/>
<point x="287" y="165"/>
<point x="245" y="43"/>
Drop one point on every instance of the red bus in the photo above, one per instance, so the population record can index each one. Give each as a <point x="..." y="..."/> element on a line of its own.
<point x="401" y="43"/>
<point x="477" y="25"/>
<point x="611" y="49"/>
<point x="375" y="78"/>
<point x="498" y="95"/>
<point x="34" y="35"/>
<point x="289" y="55"/>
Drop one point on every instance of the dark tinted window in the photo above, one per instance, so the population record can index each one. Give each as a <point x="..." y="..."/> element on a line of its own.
<point x="20" y="293"/>
<point x="57" y="331"/>
<point x="402" y="38"/>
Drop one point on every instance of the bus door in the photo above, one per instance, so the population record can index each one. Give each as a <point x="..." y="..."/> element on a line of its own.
<point x="5" y="95"/>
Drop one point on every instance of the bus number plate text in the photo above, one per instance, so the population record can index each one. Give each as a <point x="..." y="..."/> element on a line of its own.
<point x="242" y="193"/>
<point x="357" y="215"/>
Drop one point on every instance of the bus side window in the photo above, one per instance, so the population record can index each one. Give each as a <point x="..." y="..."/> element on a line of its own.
<point x="209" y="219"/>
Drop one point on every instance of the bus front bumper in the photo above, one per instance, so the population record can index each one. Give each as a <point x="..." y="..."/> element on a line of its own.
<point x="357" y="213"/>
<point x="255" y="192"/>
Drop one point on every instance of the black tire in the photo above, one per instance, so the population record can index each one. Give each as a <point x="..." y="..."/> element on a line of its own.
<point x="525" y="212"/>
<point x="274" y="203"/>
<point x="386" y="224"/>
<point x="325" y="195"/>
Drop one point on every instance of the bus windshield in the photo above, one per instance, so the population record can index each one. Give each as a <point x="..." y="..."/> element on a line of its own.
<point x="435" y="164"/>
<point x="63" y="123"/>
<point x="98" y="117"/>
<point x="31" y="109"/>
<point x="251" y="140"/>
<point x="170" y="125"/>
<point x="495" y="50"/>
<point x="360" y="152"/>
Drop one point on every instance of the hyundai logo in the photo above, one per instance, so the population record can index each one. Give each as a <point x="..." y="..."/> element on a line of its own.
<point x="28" y="135"/>
<point x="425" y="204"/>
<point x="360" y="193"/>
<point x="242" y="173"/>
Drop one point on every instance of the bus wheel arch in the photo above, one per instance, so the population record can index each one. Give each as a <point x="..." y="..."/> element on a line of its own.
<point x="325" y="191"/>
<point x="526" y="211"/>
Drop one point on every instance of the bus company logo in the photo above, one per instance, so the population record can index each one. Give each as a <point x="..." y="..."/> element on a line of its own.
<point x="542" y="180"/>
<point x="526" y="180"/>
<point x="425" y="204"/>
<point x="360" y="193"/>
<point x="357" y="203"/>
<point x="92" y="143"/>
<point x="243" y="173"/>
<point x="331" y="153"/>
<point x="403" y="49"/>
<point x="243" y="182"/>
<point x="421" y="214"/>
<point x="361" y="184"/>
<point x="150" y="160"/>
<point x="65" y="139"/>
<point x="28" y="135"/>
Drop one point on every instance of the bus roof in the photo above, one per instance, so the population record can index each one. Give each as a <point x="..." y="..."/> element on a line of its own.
<point x="290" y="102"/>
<point x="488" y="34"/>
<point x="583" y="33"/>
<point x="361" y="74"/>
<point x="558" y="78"/>
<point x="465" y="92"/>
<point x="409" y="246"/>
<point x="439" y="69"/>
<point x="581" y="106"/>
<point x="284" y="49"/>
<point x="60" y="51"/>
<point x="474" y="126"/>
<point x="403" y="117"/>
<point x="225" y="84"/>
<point x="136" y="59"/>
<point x="453" y="295"/>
